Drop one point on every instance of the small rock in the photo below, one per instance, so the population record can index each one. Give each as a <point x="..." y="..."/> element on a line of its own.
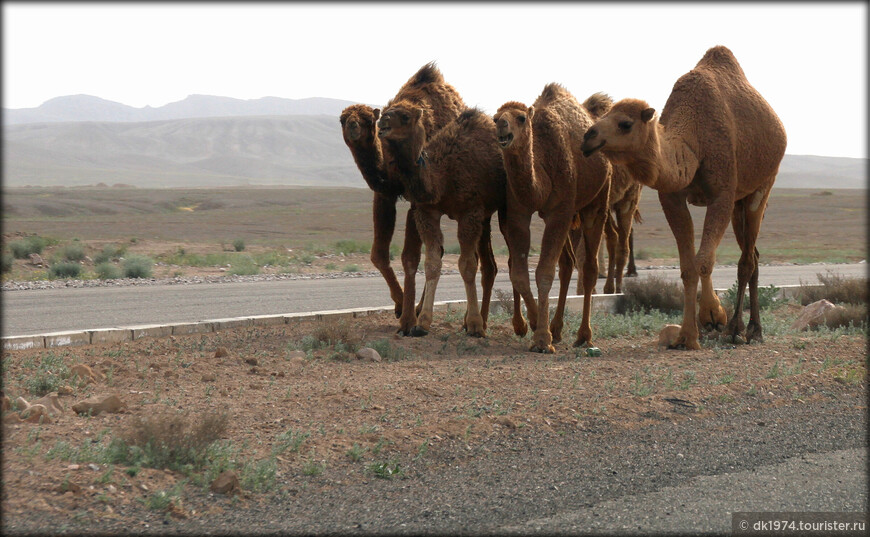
<point x="65" y="390"/>
<point x="95" y="405"/>
<point x="36" y="260"/>
<point x="94" y="467"/>
<point x="226" y="483"/>
<point x="85" y="373"/>
<point x="7" y="403"/>
<point x="221" y="352"/>
<point x="209" y="377"/>
<point x="251" y="361"/>
<point x="73" y="467"/>
<point x="111" y="489"/>
<point x="296" y="355"/>
<point x="813" y="315"/>
<point x="505" y="421"/>
<point x="669" y="335"/>
<point x="35" y="414"/>
<point x="51" y="403"/>
<point x="368" y="354"/>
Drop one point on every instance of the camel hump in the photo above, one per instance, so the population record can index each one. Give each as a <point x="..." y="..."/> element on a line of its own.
<point x="552" y="92"/>
<point x="720" y="57"/>
<point x="598" y="104"/>
<point x="428" y="74"/>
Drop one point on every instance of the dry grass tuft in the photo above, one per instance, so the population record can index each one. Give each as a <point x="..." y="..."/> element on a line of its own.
<point x="652" y="293"/>
<point x="835" y="288"/>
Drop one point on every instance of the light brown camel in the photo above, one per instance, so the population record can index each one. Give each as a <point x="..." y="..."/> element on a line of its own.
<point x="718" y="144"/>
<point x="458" y="172"/>
<point x="624" y="197"/>
<point x="359" y="129"/>
<point x="547" y="174"/>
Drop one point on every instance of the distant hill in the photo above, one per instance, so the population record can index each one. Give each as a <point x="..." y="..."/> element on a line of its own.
<point x="89" y="108"/>
<point x="218" y="141"/>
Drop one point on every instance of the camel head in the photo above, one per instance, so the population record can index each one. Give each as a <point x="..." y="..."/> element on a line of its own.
<point x="401" y="121"/>
<point x="358" y="124"/>
<point x="624" y="129"/>
<point x="513" y="123"/>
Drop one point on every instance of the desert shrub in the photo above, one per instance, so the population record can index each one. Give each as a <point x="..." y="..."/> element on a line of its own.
<point x="851" y="316"/>
<point x="73" y="252"/>
<point x="178" y="441"/>
<point x="653" y="293"/>
<point x="110" y="252"/>
<point x="331" y="334"/>
<point x="107" y="271"/>
<point x="66" y="269"/>
<point x="767" y="297"/>
<point x="350" y="246"/>
<point x="31" y="245"/>
<point x="244" y="266"/>
<point x="835" y="288"/>
<point x="138" y="266"/>
<point x="7" y="262"/>
<point x="238" y="245"/>
<point x="47" y="376"/>
<point x="388" y="351"/>
<point x="350" y="268"/>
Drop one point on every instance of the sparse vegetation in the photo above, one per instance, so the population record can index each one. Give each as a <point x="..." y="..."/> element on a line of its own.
<point x="652" y="293"/>
<point x="239" y="245"/>
<point x="73" y="252"/>
<point x="836" y="288"/>
<point x="21" y="249"/>
<point x="107" y="271"/>
<point x="66" y="269"/>
<point x="138" y="266"/>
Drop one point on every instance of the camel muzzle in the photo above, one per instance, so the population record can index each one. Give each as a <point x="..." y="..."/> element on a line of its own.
<point x="588" y="149"/>
<point x="505" y="141"/>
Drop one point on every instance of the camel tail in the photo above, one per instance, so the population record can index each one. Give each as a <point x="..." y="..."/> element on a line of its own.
<point x="598" y="104"/>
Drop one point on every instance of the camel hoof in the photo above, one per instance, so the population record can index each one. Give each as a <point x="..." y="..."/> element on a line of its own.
<point x="753" y="333"/>
<point x="403" y="332"/>
<point x="418" y="331"/>
<point x="581" y="343"/>
<point x="630" y="275"/>
<point x="398" y="311"/>
<point x="549" y="349"/>
<point x="521" y="330"/>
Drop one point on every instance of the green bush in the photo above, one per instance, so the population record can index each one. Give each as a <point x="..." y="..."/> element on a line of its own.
<point x="110" y="252"/>
<point x="31" y="245"/>
<point x="244" y="266"/>
<point x="7" y="262"/>
<point x="138" y="266"/>
<point x="350" y="246"/>
<point x="239" y="245"/>
<point x="73" y="252"/>
<point x="65" y="270"/>
<point x="767" y="297"/>
<point x="107" y="271"/>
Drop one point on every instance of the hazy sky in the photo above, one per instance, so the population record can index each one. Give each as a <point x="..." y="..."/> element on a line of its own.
<point x="807" y="59"/>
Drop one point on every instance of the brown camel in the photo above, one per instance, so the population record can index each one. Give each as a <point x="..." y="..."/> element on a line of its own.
<point x="718" y="144"/>
<point x="547" y="174"/>
<point x="624" y="197"/>
<point x="457" y="172"/>
<point x="377" y="165"/>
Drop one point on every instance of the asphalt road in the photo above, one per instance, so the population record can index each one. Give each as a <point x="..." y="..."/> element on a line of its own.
<point x="51" y="310"/>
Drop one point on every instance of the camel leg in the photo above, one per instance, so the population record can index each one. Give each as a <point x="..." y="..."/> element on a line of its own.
<point x="469" y="235"/>
<point x="429" y="226"/>
<point x="624" y="216"/>
<point x="552" y="243"/>
<point x="711" y="314"/>
<point x="631" y="268"/>
<point x="611" y="239"/>
<point x="566" y="269"/>
<point x="746" y="222"/>
<point x="594" y="217"/>
<point x="518" y="240"/>
<point x="579" y="254"/>
<point x="519" y="323"/>
<point x="410" y="261"/>
<point x="384" y="219"/>
<point x="680" y="221"/>
<point x="488" y="268"/>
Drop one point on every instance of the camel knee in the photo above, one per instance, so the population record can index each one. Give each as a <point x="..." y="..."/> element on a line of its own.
<point x="381" y="260"/>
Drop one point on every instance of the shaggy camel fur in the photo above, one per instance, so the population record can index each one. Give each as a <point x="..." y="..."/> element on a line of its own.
<point x="624" y="197"/>
<point x="547" y="174"/>
<point x="458" y="172"/>
<point x="718" y="144"/>
<point x="359" y="129"/>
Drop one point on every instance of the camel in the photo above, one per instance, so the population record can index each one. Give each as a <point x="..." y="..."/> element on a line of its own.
<point x="624" y="197"/>
<point x="547" y="174"/>
<point x="359" y="129"/>
<point x="718" y="144"/>
<point x="457" y="172"/>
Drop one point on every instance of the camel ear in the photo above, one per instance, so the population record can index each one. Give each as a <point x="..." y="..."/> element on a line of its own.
<point x="647" y="114"/>
<point x="418" y="113"/>
<point x="531" y="112"/>
<point x="377" y="113"/>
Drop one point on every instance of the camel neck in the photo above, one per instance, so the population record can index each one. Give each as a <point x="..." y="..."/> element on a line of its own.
<point x="523" y="182"/>
<point x="667" y="165"/>
<point x="370" y="161"/>
<point x="413" y="165"/>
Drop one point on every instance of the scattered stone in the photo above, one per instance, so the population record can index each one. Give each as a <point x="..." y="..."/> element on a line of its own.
<point x="73" y="467"/>
<point x="669" y="335"/>
<point x="813" y="315"/>
<point x="7" y="403"/>
<point x="111" y="489"/>
<point x="21" y="404"/>
<point x="368" y="354"/>
<point x="36" y="260"/>
<point x="94" y="467"/>
<point x="35" y="414"/>
<point x="251" y="361"/>
<point x="221" y="352"/>
<point x="69" y="486"/>
<point x="505" y="421"/>
<point x="209" y="377"/>
<point x="51" y="404"/>
<point x="296" y="355"/>
<point x="65" y="390"/>
<point x="226" y="483"/>
<point x="95" y="405"/>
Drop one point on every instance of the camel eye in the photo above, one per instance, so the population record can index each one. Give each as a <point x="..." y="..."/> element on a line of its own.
<point x="521" y="119"/>
<point x="625" y="125"/>
<point x="404" y="117"/>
